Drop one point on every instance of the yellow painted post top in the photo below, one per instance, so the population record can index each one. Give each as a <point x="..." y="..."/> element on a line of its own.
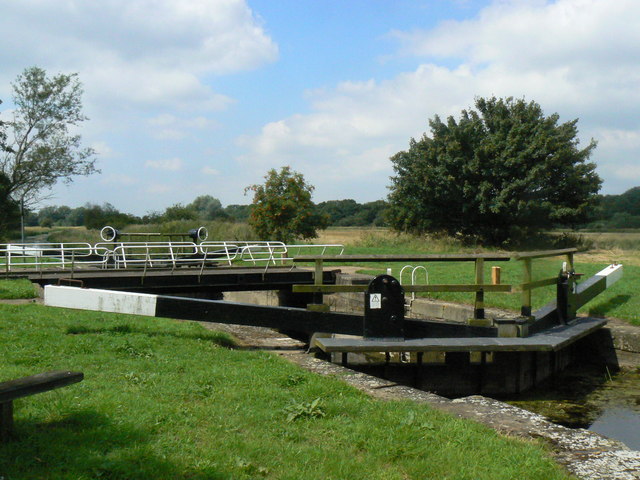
<point x="495" y="275"/>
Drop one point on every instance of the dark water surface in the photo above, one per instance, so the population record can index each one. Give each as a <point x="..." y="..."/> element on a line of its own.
<point x="620" y="422"/>
<point x="597" y="400"/>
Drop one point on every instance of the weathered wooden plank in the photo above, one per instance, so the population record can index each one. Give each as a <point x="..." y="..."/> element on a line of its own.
<point x="42" y="382"/>
<point x="551" y="340"/>
<point x="543" y="253"/>
<point x="536" y="284"/>
<point x="328" y="288"/>
<point x="445" y="287"/>
<point x="442" y="287"/>
<point x="461" y="257"/>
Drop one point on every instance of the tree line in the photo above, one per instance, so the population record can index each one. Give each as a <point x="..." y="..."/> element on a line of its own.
<point x="617" y="211"/>
<point x="500" y="172"/>
<point x="204" y="208"/>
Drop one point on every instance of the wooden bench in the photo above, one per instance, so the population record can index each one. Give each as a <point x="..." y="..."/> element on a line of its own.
<point x="25" y="386"/>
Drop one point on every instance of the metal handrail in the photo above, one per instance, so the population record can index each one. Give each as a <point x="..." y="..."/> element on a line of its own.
<point x="413" y="276"/>
<point x="29" y="255"/>
<point x="256" y="252"/>
<point x="273" y="252"/>
<point x="219" y="251"/>
<point x="153" y="254"/>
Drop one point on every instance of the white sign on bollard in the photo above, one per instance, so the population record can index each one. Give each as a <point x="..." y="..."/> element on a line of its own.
<point x="375" y="301"/>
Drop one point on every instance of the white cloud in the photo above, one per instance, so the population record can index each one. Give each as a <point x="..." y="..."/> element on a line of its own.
<point x="150" y="52"/>
<point x="206" y="170"/>
<point x="102" y="149"/>
<point x="169" y="164"/>
<point x="119" y="179"/>
<point x="617" y="138"/>
<point x="169" y="127"/>
<point x="158" y="188"/>
<point x="575" y="57"/>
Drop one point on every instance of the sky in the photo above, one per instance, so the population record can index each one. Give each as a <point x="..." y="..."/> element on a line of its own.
<point x="203" y="97"/>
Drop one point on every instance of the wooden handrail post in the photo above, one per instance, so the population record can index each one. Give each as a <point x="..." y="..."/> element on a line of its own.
<point x="317" y="276"/>
<point x="525" y="310"/>
<point x="478" y="311"/>
<point x="570" y="262"/>
<point x="317" y="280"/>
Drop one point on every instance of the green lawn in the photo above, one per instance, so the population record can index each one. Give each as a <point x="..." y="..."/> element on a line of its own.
<point x="164" y="399"/>
<point x="14" y="289"/>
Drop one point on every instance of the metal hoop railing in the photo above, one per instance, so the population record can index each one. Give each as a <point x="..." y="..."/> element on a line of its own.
<point x="52" y="255"/>
<point x="413" y="276"/>
<point x="151" y="255"/>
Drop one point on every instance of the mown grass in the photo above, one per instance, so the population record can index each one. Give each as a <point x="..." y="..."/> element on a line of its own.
<point x="11" y="289"/>
<point x="164" y="399"/>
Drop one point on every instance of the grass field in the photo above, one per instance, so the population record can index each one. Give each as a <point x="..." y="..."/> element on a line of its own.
<point x="164" y="399"/>
<point x="14" y="289"/>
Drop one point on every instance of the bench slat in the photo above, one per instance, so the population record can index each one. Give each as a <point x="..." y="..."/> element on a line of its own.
<point x="42" y="382"/>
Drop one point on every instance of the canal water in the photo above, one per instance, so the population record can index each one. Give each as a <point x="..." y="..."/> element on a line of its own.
<point x="596" y="400"/>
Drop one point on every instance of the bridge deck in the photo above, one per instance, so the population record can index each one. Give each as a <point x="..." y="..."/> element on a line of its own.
<point x="182" y="279"/>
<point x="553" y="339"/>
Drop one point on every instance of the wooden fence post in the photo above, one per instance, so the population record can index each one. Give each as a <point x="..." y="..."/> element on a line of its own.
<point x="478" y="311"/>
<point x="525" y="310"/>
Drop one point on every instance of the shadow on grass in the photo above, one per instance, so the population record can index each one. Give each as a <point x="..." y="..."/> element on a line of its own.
<point x="221" y="339"/>
<point x="605" y="307"/>
<point x="88" y="445"/>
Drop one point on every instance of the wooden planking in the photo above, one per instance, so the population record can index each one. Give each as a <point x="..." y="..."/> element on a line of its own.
<point x="162" y="281"/>
<point x="543" y="253"/>
<point x="551" y="340"/>
<point x="487" y="287"/>
<point x="42" y="382"/>
<point x="461" y="257"/>
<point x="445" y="287"/>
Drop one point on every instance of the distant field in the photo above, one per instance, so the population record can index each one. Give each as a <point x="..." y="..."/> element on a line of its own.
<point x="350" y="235"/>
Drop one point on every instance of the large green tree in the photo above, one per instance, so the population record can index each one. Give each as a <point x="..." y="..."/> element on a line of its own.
<point x="9" y="209"/>
<point x="282" y="208"/>
<point x="39" y="143"/>
<point x="499" y="172"/>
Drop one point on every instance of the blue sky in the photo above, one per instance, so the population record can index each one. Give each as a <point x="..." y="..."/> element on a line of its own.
<point x="204" y="96"/>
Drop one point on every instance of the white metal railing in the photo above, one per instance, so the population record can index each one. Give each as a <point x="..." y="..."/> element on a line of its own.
<point x="154" y="254"/>
<point x="413" y="276"/>
<point x="220" y="251"/>
<point x="269" y="252"/>
<point x="278" y="252"/>
<point x="14" y="256"/>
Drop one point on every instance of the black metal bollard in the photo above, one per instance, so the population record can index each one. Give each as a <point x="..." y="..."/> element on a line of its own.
<point x="384" y="309"/>
<point x="566" y="302"/>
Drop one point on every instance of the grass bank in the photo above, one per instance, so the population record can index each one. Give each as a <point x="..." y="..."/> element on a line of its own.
<point x="11" y="289"/>
<point x="164" y="399"/>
